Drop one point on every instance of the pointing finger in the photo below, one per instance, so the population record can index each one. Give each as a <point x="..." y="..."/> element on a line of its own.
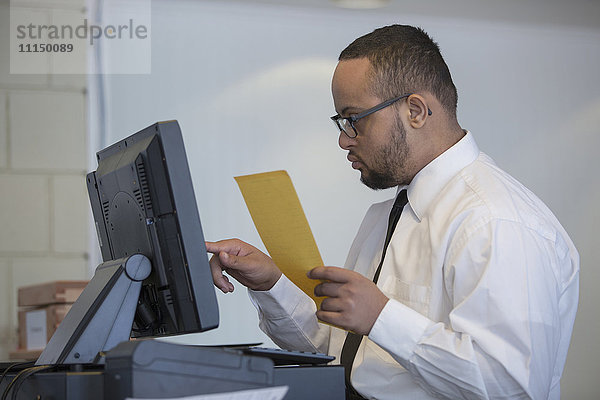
<point x="222" y="245"/>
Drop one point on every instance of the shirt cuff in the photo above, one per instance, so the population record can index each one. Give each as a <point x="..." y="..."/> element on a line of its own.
<point x="398" y="329"/>
<point x="279" y="301"/>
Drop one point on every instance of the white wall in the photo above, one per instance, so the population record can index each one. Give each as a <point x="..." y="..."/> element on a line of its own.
<point x="250" y="86"/>
<point x="43" y="201"/>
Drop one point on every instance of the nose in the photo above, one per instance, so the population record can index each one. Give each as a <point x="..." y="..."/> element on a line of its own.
<point x="344" y="141"/>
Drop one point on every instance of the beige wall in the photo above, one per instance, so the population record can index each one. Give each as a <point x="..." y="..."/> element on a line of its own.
<point x="43" y="200"/>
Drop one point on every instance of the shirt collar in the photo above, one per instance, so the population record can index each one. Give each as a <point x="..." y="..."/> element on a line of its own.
<point x="430" y="180"/>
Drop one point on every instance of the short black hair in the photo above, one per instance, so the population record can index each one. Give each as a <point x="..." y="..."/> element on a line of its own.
<point x="405" y="59"/>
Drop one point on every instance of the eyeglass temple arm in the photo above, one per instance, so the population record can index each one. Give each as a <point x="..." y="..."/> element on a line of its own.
<point x="354" y="118"/>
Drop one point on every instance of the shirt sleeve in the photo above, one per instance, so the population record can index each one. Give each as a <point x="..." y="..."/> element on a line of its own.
<point x="287" y="316"/>
<point x="503" y="335"/>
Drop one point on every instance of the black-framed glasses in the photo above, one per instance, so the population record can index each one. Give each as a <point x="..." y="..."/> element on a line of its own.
<point x="345" y="124"/>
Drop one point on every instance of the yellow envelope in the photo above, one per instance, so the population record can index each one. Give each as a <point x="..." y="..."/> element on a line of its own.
<point x="282" y="226"/>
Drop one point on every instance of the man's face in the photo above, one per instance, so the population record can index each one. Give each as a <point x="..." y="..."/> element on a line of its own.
<point x="380" y="150"/>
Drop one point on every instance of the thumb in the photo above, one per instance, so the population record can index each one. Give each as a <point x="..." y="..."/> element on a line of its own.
<point x="219" y="279"/>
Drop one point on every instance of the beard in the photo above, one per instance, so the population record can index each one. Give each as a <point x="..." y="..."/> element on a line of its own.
<point x="388" y="162"/>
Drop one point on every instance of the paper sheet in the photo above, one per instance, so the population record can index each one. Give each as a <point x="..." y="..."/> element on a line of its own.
<point x="270" y="393"/>
<point x="36" y="335"/>
<point x="282" y="226"/>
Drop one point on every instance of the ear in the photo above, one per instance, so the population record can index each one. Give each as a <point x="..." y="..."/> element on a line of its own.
<point x="418" y="111"/>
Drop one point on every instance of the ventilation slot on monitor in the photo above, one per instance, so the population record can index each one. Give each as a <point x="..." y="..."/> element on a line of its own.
<point x="138" y="197"/>
<point x="106" y="211"/>
<point x="147" y="201"/>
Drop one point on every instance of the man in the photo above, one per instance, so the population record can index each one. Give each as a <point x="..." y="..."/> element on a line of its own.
<point x="477" y="290"/>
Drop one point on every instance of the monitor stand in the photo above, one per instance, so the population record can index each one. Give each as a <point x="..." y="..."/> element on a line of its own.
<point x="102" y="316"/>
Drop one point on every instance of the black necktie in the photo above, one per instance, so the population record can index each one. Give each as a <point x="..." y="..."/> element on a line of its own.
<point x="353" y="340"/>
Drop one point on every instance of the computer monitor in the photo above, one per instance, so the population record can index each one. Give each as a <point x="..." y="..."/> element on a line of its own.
<point x="144" y="209"/>
<point x="143" y="202"/>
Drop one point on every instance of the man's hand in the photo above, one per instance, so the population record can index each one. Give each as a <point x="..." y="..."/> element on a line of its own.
<point x="353" y="302"/>
<point x="248" y="265"/>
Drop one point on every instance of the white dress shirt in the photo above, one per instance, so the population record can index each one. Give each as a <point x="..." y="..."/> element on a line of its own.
<point x="483" y="285"/>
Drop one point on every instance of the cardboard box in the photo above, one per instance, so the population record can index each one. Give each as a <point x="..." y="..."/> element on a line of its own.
<point x="50" y="293"/>
<point x="24" y="355"/>
<point x="37" y="325"/>
<point x="41" y="309"/>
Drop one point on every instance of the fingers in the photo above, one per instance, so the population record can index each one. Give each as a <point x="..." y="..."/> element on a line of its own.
<point x="245" y="263"/>
<point x="333" y="318"/>
<point x="229" y="260"/>
<point x="220" y="280"/>
<point x="329" y="289"/>
<point x="333" y="311"/>
<point x="352" y="301"/>
<point x="212" y="247"/>
<point x="222" y="260"/>
<point x="332" y="304"/>
<point x="229" y="245"/>
<point x="334" y="274"/>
